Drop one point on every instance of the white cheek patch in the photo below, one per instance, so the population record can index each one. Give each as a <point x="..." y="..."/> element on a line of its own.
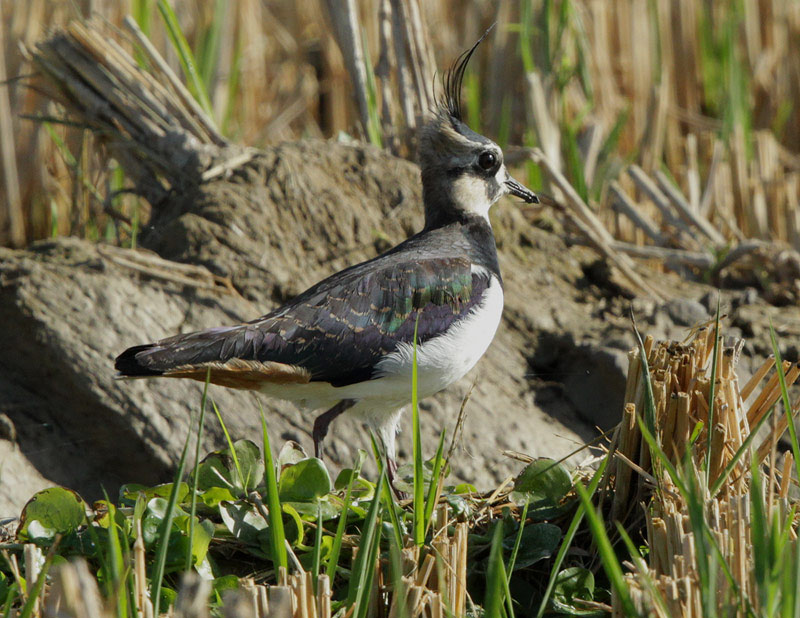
<point x="501" y="176"/>
<point x="469" y="194"/>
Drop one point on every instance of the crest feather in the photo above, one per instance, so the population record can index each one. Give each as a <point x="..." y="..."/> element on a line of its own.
<point x="453" y="78"/>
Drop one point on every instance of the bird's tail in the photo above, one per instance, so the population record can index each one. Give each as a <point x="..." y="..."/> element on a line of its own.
<point x="167" y="355"/>
<point x="232" y="356"/>
<point x="129" y="366"/>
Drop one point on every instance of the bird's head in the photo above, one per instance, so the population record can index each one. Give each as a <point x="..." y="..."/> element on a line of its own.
<point x="462" y="172"/>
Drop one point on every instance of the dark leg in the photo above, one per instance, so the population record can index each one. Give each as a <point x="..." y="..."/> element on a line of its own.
<point x="324" y="420"/>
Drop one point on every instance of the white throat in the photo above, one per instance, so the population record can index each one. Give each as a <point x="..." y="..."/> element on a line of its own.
<point x="471" y="193"/>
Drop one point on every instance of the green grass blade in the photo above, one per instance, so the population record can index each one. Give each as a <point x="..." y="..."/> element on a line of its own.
<point x="472" y="97"/>
<point x="388" y="498"/>
<point x="371" y="530"/>
<point x="495" y="575"/>
<point x="208" y="50"/>
<point x="509" y="600"/>
<point x="720" y="482"/>
<point x="434" y="488"/>
<point x="566" y="542"/>
<point x="142" y="11"/>
<point x="315" y="556"/>
<point x="116" y="561"/>
<point x="758" y="534"/>
<point x="419" y="481"/>
<point x="333" y="559"/>
<point x="231" y="448"/>
<point x="396" y="574"/>
<point x="234" y="81"/>
<point x="185" y="56"/>
<point x="512" y="561"/>
<point x="277" y="534"/>
<point x="526" y="35"/>
<point x="787" y="405"/>
<point x="367" y="575"/>
<point x="705" y="558"/>
<point x="796" y="588"/>
<point x="648" y="425"/>
<point x="193" y="489"/>
<point x="649" y="398"/>
<point x="711" y="396"/>
<point x="643" y="571"/>
<point x="373" y="127"/>
<point x="165" y="529"/>
<point x="609" y="559"/>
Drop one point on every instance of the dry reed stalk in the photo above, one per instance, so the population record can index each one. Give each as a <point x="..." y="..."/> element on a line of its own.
<point x="192" y="601"/>
<point x="347" y="28"/>
<point x="786" y="475"/>
<point x="33" y="559"/>
<point x="685" y="210"/>
<point x="680" y="377"/>
<point x="589" y="225"/>
<point x="13" y="215"/>
<point x="143" y="604"/>
<point x="648" y="57"/>
<point x="683" y="232"/>
<point x="770" y="394"/>
<point x="74" y="593"/>
<point x="623" y="204"/>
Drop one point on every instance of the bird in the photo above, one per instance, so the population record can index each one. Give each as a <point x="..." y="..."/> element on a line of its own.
<point x="347" y="344"/>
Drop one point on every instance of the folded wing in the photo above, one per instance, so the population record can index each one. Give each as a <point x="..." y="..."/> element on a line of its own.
<point x="334" y="332"/>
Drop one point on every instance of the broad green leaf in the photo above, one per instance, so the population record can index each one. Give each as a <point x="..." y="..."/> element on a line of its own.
<point x="305" y="481"/>
<point x="544" y="483"/>
<point x="51" y="511"/>
<point x="290" y="454"/>
<point x="168" y="596"/>
<point x="213" y="496"/>
<point x="362" y="489"/>
<point x="131" y="491"/>
<point x="538" y="542"/>
<point x="203" y="533"/>
<point x="461" y="507"/>
<point x="242" y="521"/>
<point x="153" y="516"/>
<point x="226" y="582"/>
<point x="571" y="584"/>
<point x="309" y="509"/>
<point x="218" y="469"/>
<point x="5" y="586"/>
<point x="157" y="507"/>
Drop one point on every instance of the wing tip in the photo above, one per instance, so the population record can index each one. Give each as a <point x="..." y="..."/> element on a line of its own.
<point x="128" y="365"/>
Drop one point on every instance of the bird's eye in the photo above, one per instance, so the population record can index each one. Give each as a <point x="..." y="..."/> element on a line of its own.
<point x="487" y="160"/>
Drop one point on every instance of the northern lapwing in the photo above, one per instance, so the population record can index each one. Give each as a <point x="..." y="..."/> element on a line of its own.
<point x="346" y="344"/>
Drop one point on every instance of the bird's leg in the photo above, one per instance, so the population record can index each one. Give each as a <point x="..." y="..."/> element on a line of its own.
<point x="391" y="469"/>
<point x="391" y="475"/>
<point x="324" y="420"/>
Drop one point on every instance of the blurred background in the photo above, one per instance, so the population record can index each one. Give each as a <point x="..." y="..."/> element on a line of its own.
<point x="703" y="96"/>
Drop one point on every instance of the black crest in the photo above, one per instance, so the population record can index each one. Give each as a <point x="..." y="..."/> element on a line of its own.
<point x="453" y="78"/>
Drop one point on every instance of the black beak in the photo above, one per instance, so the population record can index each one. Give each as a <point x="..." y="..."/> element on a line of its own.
<point x="515" y="188"/>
